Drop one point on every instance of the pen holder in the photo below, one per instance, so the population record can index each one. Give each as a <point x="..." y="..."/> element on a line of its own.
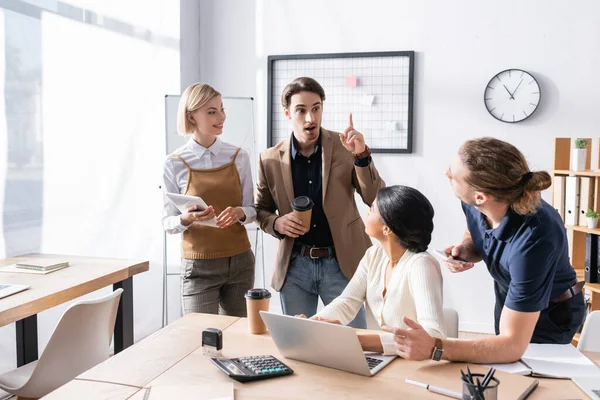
<point x="472" y="392"/>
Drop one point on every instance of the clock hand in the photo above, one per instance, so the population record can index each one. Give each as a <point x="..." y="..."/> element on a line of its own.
<point x="515" y="91"/>
<point x="509" y="93"/>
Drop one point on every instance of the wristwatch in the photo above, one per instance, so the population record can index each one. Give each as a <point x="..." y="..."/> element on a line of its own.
<point x="438" y="350"/>
<point x="366" y="153"/>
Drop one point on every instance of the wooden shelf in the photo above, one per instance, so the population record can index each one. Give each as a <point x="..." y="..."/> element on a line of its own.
<point x="580" y="228"/>
<point x="587" y="172"/>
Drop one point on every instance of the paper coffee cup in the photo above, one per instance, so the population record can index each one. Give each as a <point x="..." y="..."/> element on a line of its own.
<point x="257" y="300"/>
<point x="302" y="206"/>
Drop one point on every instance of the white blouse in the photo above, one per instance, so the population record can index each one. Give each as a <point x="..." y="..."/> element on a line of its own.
<point x="218" y="154"/>
<point x="414" y="291"/>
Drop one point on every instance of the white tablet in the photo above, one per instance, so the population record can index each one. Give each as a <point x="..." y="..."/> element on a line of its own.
<point x="184" y="202"/>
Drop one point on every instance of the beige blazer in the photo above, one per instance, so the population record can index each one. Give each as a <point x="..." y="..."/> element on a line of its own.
<point x="341" y="178"/>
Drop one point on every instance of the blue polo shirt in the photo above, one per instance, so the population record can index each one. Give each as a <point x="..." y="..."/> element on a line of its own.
<point x="527" y="255"/>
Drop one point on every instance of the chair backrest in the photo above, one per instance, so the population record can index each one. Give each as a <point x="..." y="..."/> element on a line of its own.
<point x="451" y="320"/>
<point x="590" y="336"/>
<point x="80" y="341"/>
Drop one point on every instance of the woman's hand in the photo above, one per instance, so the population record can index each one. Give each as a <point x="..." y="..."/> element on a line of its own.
<point x="329" y="321"/>
<point x="193" y="214"/>
<point x="230" y="216"/>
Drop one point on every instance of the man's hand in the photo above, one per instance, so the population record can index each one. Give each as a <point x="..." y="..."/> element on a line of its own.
<point x="353" y="140"/>
<point x="460" y="253"/>
<point x="193" y="214"/>
<point x="413" y="343"/>
<point x="230" y="216"/>
<point x="290" y="225"/>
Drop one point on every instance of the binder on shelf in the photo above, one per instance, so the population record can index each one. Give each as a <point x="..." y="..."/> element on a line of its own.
<point x="586" y="198"/>
<point x="559" y="196"/>
<point x="591" y="258"/>
<point x="571" y="200"/>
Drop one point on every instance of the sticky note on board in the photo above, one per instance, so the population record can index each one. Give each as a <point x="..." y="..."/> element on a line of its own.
<point x="351" y="81"/>
<point x="367" y="99"/>
<point x="392" y="125"/>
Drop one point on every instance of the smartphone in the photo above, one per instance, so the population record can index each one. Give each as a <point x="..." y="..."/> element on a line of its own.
<point x="447" y="258"/>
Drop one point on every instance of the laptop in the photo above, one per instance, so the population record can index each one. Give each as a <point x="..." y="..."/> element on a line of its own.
<point x="321" y="343"/>
<point x="590" y="385"/>
<point x="7" y="290"/>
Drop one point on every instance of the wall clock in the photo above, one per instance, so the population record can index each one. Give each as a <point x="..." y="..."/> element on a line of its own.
<point x="512" y="95"/>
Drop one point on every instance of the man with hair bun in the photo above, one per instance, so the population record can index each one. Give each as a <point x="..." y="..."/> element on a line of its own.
<point x="523" y="242"/>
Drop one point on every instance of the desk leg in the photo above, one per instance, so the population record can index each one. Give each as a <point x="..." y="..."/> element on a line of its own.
<point x="27" y="345"/>
<point x="124" y="323"/>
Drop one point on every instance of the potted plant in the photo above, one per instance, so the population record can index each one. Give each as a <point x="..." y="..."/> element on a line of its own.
<point x="592" y="218"/>
<point x="578" y="154"/>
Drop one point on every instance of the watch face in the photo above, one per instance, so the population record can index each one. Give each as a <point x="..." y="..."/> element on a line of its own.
<point x="512" y="95"/>
<point x="437" y="354"/>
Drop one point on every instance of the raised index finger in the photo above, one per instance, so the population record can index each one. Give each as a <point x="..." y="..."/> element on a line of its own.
<point x="350" y="120"/>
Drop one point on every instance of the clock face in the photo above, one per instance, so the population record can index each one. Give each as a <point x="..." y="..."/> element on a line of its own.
<point x="512" y="95"/>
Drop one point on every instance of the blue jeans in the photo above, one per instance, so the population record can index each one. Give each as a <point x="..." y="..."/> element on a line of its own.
<point x="307" y="279"/>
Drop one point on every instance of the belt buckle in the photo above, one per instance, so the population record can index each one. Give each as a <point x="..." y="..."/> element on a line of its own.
<point x="310" y="253"/>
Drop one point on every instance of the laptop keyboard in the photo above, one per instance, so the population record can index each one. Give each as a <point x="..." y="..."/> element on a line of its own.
<point x="373" y="362"/>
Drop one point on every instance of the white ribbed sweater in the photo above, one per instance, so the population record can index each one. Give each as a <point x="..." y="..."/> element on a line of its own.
<point x="414" y="291"/>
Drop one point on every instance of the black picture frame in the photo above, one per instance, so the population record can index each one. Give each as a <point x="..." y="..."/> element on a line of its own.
<point x="272" y="59"/>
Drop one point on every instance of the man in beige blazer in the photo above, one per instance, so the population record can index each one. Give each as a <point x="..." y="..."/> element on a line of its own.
<point x="328" y="167"/>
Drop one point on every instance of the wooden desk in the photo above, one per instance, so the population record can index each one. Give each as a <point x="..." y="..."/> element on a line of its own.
<point x="84" y="275"/>
<point x="308" y="381"/>
<point x="152" y="356"/>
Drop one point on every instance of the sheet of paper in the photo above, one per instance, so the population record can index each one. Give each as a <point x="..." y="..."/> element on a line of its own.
<point x="182" y="391"/>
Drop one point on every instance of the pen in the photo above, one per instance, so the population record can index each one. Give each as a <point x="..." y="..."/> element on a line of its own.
<point x="435" y="389"/>
<point x="529" y="390"/>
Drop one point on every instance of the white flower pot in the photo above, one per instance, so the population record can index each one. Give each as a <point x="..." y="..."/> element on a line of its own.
<point x="592" y="222"/>
<point x="578" y="159"/>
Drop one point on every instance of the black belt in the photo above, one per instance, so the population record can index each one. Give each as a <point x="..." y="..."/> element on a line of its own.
<point x="313" y="252"/>
<point x="570" y="292"/>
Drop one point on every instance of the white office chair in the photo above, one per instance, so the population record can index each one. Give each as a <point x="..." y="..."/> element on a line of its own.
<point x="590" y="336"/>
<point x="451" y="319"/>
<point x="80" y="341"/>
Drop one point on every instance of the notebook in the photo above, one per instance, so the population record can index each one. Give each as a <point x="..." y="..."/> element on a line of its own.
<point x="552" y="361"/>
<point x="42" y="264"/>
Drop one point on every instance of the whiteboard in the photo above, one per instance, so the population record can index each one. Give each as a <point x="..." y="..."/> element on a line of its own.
<point x="237" y="130"/>
<point x="377" y="88"/>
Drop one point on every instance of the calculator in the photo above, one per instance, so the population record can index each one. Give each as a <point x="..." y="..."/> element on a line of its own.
<point x="253" y="368"/>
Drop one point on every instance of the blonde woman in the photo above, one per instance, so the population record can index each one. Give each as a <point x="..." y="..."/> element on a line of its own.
<point x="217" y="263"/>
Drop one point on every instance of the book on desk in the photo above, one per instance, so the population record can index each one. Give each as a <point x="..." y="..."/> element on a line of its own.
<point x="42" y="264"/>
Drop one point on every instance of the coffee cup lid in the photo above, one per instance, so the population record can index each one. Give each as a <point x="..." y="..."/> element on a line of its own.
<point x="302" y="203"/>
<point x="258" y="294"/>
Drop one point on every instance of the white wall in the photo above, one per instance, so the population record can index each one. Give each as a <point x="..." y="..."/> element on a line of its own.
<point x="460" y="45"/>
